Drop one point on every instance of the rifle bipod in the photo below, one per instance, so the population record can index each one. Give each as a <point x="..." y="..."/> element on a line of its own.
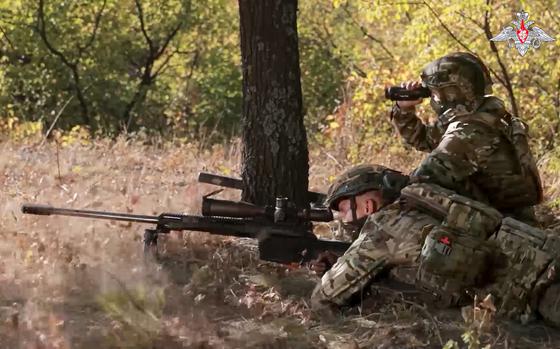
<point x="150" y="241"/>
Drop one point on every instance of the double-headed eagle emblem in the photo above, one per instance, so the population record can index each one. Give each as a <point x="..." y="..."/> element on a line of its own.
<point x="522" y="35"/>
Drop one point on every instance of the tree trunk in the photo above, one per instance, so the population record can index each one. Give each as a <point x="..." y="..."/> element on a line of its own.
<point x="275" y="156"/>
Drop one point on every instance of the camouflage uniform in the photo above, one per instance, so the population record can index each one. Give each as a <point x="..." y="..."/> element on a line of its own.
<point x="476" y="147"/>
<point x="456" y="243"/>
<point x="454" y="228"/>
<point x="366" y="247"/>
<point x="390" y="236"/>
<point x="525" y="279"/>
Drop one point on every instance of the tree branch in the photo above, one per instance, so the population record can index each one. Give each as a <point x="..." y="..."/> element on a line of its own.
<point x="445" y="27"/>
<point x="143" y="26"/>
<point x="163" y="65"/>
<point x="73" y="66"/>
<point x="169" y="37"/>
<point x="325" y="36"/>
<point x="148" y="74"/>
<point x="193" y="65"/>
<point x="470" y="19"/>
<point x="41" y="28"/>
<point x="463" y="45"/>
<point x="160" y="52"/>
<point x="367" y="34"/>
<point x="329" y="39"/>
<point x="5" y="35"/>
<point x="97" y="21"/>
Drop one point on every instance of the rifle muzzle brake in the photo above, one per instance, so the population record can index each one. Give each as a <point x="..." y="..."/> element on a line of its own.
<point x="37" y="209"/>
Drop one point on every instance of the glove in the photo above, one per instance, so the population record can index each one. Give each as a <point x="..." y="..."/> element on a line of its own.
<point x="323" y="263"/>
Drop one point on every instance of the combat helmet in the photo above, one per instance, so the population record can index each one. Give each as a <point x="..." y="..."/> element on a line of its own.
<point x="463" y="71"/>
<point x="476" y="60"/>
<point x="363" y="178"/>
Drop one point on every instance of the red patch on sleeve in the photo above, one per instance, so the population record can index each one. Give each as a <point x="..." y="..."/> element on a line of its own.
<point x="445" y="240"/>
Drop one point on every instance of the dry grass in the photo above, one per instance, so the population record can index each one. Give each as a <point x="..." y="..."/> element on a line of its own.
<point x="81" y="283"/>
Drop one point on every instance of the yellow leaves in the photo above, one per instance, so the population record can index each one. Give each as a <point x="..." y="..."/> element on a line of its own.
<point x="78" y="134"/>
<point x="28" y="257"/>
<point x="334" y="125"/>
<point x="19" y="130"/>
<point x="338" y="3"/>
<point x="225" y="170"/>
<point x="77" y="169"/>
<point x="451" y="344"/>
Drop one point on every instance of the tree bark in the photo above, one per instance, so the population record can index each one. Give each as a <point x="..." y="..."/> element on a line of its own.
<point x="275" y="155"/>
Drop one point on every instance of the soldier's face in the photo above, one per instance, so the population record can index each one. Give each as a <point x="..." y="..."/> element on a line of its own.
<point x="446" y="94"/>
<point x="444" y="98"/>
<point x="366" y="204"/>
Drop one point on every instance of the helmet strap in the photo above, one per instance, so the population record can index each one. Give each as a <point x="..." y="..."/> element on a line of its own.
<point x="353" y="207"/>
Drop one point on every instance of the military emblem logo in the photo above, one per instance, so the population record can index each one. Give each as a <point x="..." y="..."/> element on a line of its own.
<point x="522" y="35"/>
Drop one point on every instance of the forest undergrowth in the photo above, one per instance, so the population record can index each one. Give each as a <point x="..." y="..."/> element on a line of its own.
<point x="80" y="283"/>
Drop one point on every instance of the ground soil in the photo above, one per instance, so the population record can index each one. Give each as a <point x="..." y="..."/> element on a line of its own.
<point x="70" y="282"/>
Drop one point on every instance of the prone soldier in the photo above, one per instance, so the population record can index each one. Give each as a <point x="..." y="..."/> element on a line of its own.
<point x="455" y="243"/>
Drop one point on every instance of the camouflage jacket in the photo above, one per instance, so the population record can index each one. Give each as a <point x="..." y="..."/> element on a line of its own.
<point x="451" y="244"/>
<point x="390" y="236"/>
<point x="483" y="155"/>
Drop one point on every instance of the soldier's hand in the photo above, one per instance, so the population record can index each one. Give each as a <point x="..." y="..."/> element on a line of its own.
<point x="410" y="85"/>
<point x="324" y="262"/>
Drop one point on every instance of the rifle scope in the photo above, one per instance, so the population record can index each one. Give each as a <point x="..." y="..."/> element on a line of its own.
<point x="315" y="198"/>
<point x="225" y="208"/>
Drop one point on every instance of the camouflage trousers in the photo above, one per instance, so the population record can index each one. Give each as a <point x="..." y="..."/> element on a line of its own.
<point x="389" y="237"/>
<point x="527" y="266"/>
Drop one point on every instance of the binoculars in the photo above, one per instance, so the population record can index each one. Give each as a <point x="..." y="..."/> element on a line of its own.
<point x="397" y="93"/>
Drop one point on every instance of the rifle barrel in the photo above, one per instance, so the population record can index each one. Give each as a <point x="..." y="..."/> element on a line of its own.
<point x="49" y="210"/>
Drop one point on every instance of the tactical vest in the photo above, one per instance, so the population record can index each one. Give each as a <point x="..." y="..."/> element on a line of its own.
<point x="474" y="247"/>
<point x="456" y="254"/>
<point x="515" y="131"/>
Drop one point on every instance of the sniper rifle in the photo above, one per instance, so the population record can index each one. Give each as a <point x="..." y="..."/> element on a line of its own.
<point x="284" y="232"/>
